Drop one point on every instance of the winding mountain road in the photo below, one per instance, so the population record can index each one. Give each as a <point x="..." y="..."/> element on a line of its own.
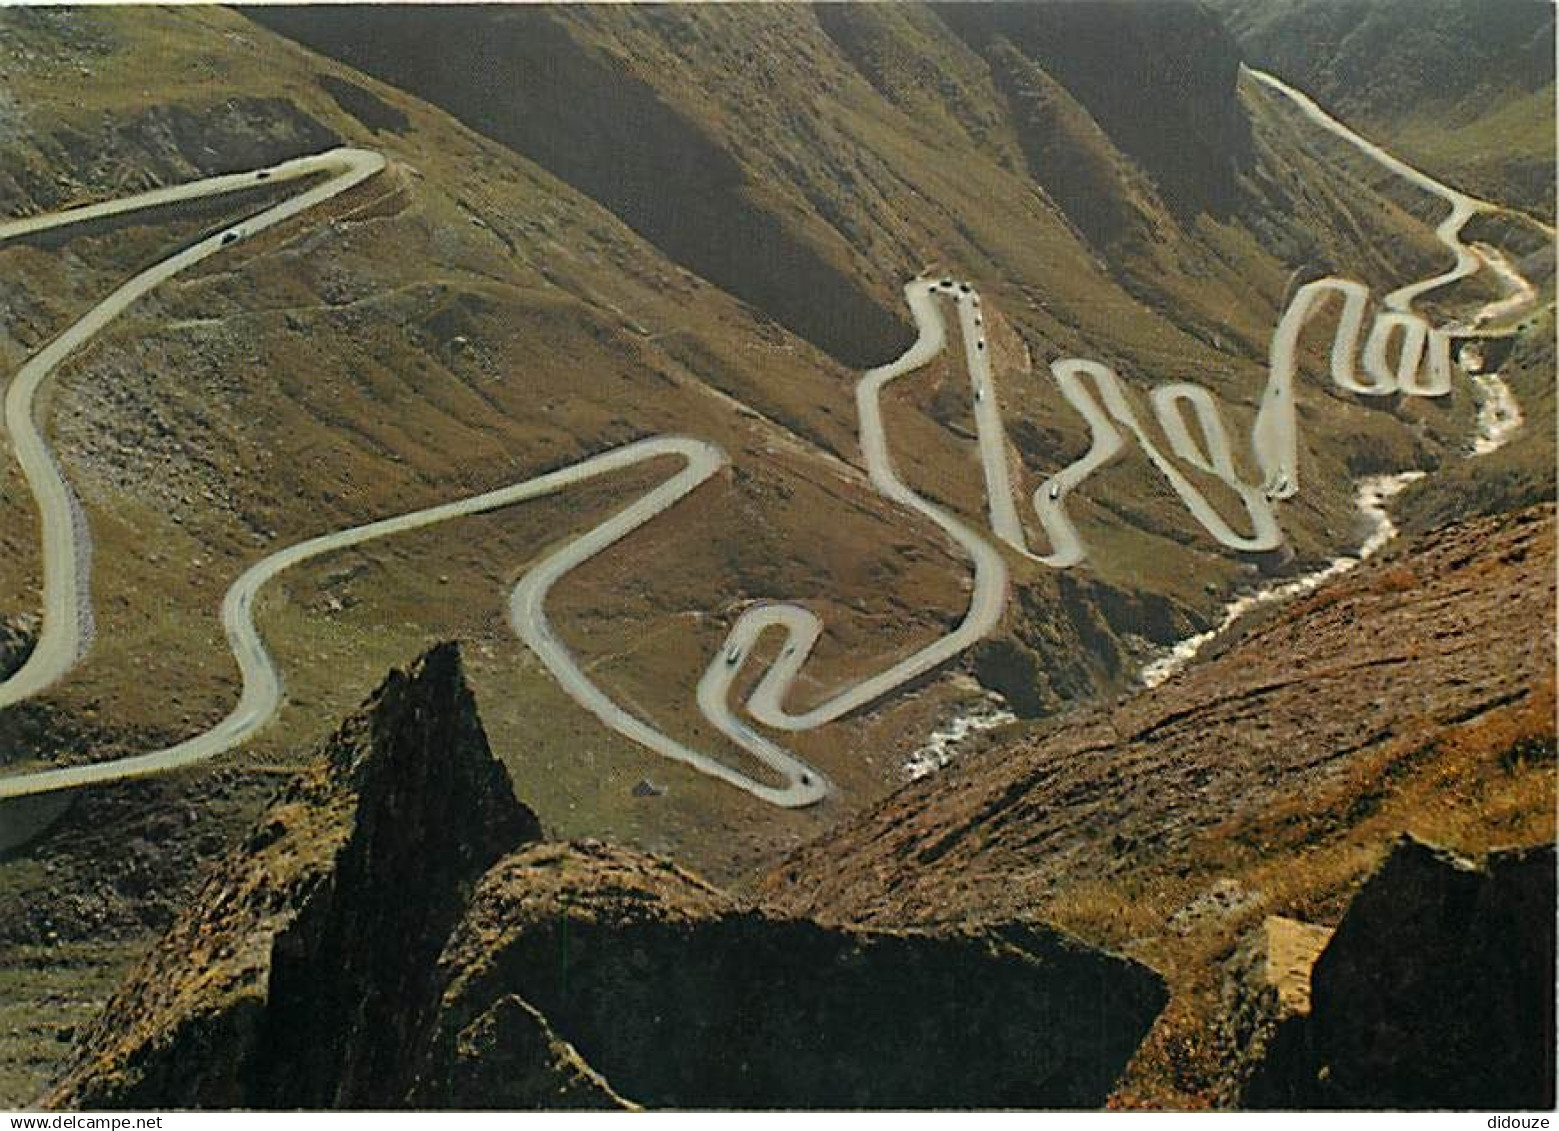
<point x="66" y="630"/>
<point x="801" y="626"/>
<point x="1422" y="368"/>
<point x="1520" y="294"/>
<point x="67" y="605"/>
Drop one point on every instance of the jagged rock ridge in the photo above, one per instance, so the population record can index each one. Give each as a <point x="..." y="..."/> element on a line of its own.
<point x="682" y="998"/>
<point x="351" y="953"/>
<point x="300" y="975"/>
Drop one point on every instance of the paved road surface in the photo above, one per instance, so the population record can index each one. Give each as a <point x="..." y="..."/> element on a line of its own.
<point x="262" y="688"/>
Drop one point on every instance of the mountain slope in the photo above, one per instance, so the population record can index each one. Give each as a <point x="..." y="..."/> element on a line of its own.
<point x="679" y="220"/>
<point x="472" y="316"/>
<point x="822" y="124"/>
<point x="1465" y="87"/>
<point x="461" y="323"/>
<point x="1415" y="694"/>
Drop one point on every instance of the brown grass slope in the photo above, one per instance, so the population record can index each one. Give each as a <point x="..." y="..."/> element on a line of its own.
<point x="1414" y="695"/>
<point x="1463" y="86"/>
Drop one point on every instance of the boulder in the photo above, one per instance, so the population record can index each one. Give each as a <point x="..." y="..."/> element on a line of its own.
<point x="1436" y="991"/>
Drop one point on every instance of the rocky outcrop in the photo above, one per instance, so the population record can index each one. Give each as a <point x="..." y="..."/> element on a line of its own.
<point x="352" y="953"/>
<point x="1004" y="666"/>
<point x="508" y="1058"/>
<point x="680" y="997"/>
<point x="1437" y="991"/>
<point x="301" y="975"/>
<point x="1266" y="986"/>
<point x="1068" y="637"/>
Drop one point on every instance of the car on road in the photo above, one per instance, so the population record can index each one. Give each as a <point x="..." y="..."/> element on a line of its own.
<point x="232" y="236"/>
<point x="733" y="655"/>
<point x="1055" y="492"/>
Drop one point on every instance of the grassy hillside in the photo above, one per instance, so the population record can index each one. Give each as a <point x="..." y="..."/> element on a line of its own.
<point x="1463" y="87"/>
<point x="823" y="127"/>
<point x="463" y="321"/>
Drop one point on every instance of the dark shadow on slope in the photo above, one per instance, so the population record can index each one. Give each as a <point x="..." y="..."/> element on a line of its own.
<point x="521" y="78"/>
<point x="1159" y="79"/>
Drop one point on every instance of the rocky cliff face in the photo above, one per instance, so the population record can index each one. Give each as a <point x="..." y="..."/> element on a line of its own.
<point x="301" y="974"/>
<point x="682" y="998"/>
<point x="345" y="955"/>
<point x="1437" y="991"/>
